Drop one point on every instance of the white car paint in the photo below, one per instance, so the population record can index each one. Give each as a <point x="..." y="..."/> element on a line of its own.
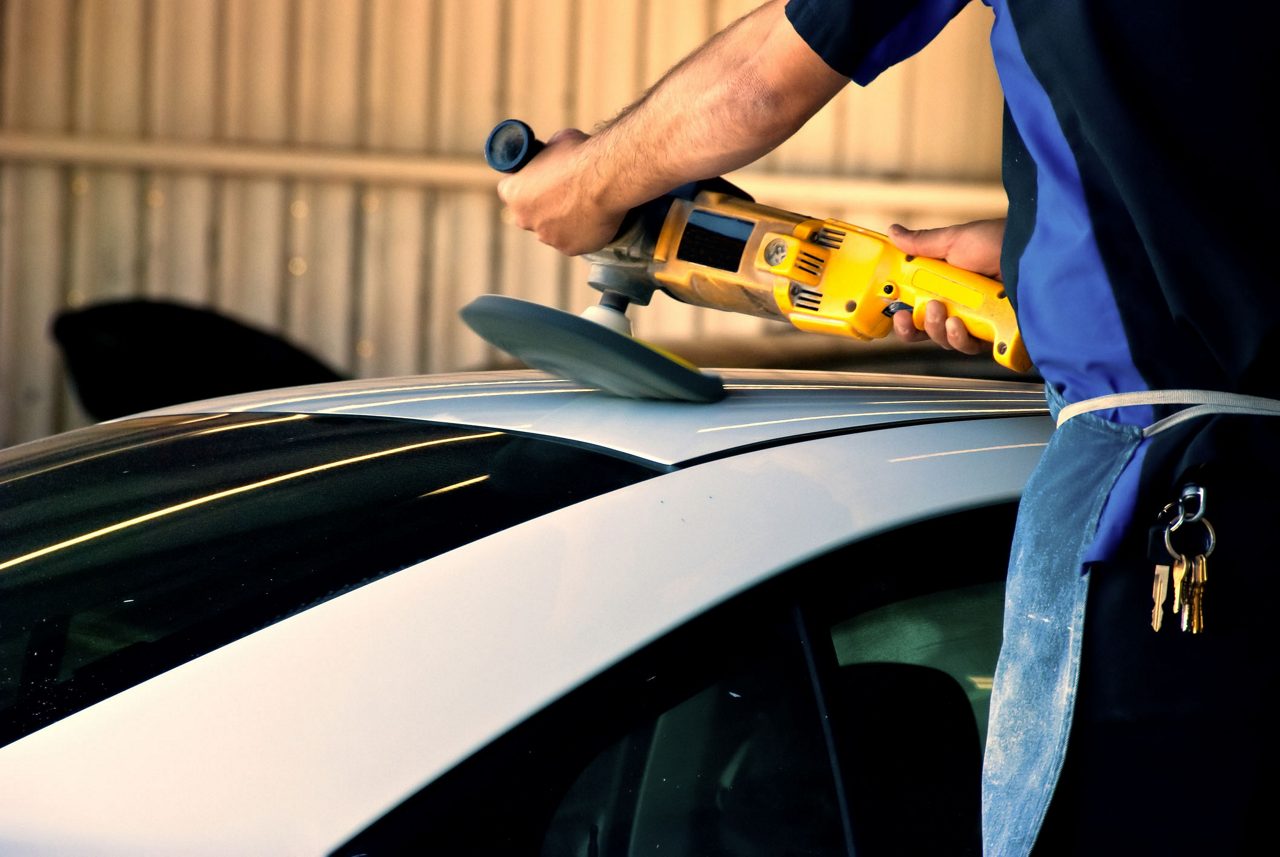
<point x="296" y="737"/>
<point x="292" y="739"/>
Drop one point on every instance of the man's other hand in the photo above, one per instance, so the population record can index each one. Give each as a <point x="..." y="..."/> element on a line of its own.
<point x="973" y="246"/>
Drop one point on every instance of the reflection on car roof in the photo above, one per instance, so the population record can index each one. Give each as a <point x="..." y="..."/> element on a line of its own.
<point x="763" y="407"/>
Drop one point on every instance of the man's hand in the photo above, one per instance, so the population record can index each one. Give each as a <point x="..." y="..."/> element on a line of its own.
<point x="732" y="100"/>
<point x="973" y="246"/>
<point x="550" y="197"/>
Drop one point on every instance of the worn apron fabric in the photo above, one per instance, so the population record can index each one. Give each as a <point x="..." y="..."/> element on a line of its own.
<point x="1037" y="677"/>
<point x="1035" y="682"/>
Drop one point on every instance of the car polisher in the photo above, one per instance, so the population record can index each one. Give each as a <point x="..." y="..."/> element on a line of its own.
<point x="595" y="349"/>
<point x="711" y="245"/>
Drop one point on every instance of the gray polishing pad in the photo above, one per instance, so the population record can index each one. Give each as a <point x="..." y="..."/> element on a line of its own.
<point x="586" y="352"/>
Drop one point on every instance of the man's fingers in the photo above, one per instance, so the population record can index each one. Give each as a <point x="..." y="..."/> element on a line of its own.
<point x="504" y="193"/>
<point x="935" y="323"/>
<point x="948" y="332"/>
<point x="960" y="339"/>
<point x="905" y="328"/>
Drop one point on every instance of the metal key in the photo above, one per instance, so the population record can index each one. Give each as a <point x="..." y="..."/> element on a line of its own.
<point x="1190" y="596"/>
<point x="1198" y="578"/>
<point x="1159" y="593"/>
<point x="1179" y="583"/>
<point x="1169" y="519"/>
<point x="1191" y="604"/>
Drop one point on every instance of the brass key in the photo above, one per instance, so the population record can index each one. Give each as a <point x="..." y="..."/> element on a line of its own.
<point x="1200" y="577"/>
<point x="1170" y="518"/>
<point x="1179" y="583"/>
<point x="1191" y="596"/>
<point x="1159" y="593"/>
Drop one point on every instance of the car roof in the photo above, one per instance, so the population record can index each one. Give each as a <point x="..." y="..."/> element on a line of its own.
<point x="763" y="407"/>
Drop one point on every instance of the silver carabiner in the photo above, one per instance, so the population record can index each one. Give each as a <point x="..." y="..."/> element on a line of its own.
<point x="1196" y="496"/>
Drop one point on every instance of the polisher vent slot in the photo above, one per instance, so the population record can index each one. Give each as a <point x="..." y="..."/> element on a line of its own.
<point x="828" y="237"/>
<point x="806" y="298"/>
<point x="809" y="263"/>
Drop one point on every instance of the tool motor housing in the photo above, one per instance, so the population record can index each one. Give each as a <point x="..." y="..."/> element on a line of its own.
<point x="824" y="276"/>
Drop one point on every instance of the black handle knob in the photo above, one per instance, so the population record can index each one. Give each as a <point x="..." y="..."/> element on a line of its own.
<point x="510" y="145"/>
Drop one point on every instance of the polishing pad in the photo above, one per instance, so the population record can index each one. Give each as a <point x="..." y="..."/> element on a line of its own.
<point x="587" y="352"/>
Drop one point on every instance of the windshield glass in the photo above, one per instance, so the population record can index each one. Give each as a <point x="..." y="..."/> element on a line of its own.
<point x="131" y="547"/>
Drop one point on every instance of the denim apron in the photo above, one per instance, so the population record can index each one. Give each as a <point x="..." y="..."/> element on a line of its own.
<point x="1033" y="696"/>
<point x="1035" y="682"/>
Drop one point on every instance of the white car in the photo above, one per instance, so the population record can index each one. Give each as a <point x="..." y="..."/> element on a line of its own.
<point x="496" y="614"/>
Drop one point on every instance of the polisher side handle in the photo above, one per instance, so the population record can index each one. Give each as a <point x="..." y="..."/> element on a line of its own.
<point x="511" y="145"/>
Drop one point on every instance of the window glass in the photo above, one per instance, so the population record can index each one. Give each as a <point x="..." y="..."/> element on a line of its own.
<point x="832" y="710"/>
<point x="131" y="547"/>
<point x="740" y="768"/>
<point x="914" y="628"/>
<point x="956" y="631"/>
<point x="709" y="742"/>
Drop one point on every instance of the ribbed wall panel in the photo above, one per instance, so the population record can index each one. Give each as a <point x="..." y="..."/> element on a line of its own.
<point x="368" y="272"/>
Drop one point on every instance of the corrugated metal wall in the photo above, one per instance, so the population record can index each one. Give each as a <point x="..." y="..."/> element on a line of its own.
<point x="310" y="166"/>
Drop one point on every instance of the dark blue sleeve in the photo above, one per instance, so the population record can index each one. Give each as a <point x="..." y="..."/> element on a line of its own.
<point x="861" y="38"/>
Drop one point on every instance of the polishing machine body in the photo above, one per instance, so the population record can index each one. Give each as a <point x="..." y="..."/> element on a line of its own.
<point x="726" y="252"/>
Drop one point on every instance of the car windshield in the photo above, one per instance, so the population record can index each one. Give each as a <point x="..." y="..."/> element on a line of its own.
<point x="131" y="547"/>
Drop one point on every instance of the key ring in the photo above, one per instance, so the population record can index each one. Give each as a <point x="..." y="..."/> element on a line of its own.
<point x="1171" y="524"/>
<point x="1168" y="531"/>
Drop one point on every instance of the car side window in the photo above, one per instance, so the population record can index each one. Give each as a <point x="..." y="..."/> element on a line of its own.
<point x="837" y="709"/>
<point x="911" y="634"/>
<point x="956" y="632"/>
<point x="738" y="768"/>
<point x="708" y="742"/>
<point x="909" y="694"/>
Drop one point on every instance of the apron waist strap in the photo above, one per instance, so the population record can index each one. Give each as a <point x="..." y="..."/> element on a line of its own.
<point x="1203" y="402"/>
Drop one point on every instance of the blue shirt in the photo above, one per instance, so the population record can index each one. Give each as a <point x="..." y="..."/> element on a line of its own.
<point x="1131" y="253"/>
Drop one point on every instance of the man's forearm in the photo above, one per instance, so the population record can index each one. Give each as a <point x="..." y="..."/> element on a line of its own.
<point x="728" y="103"/>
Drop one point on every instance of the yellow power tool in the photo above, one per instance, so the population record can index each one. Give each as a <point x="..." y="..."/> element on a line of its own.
<point x="711" y="245"/>
<point x="823" y="276"/>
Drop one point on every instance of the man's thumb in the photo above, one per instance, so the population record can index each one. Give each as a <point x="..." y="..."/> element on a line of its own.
<point x="934" y="243"/>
